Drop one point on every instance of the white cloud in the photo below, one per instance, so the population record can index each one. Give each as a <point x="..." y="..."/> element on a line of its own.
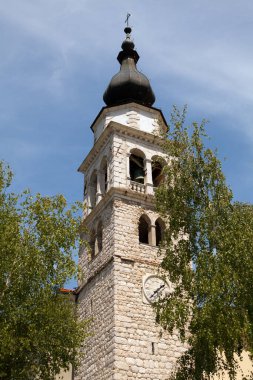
<point x="196" y="51"/>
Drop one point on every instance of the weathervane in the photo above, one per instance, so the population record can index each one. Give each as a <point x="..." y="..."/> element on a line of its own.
<point x="128" y="15"/>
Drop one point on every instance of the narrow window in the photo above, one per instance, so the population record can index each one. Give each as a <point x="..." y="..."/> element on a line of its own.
<point x="143" y="230"/>
<point x="100" y="237"/>
<point x="106" y="180"/>
<point x="92" y="245"/>
<point x="153" y="348"/>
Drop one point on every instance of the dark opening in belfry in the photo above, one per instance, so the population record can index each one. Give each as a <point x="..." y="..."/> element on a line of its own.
<point x="137" y="172"/>
<point x="157" y="173"/>
<point x="104" y="177"/>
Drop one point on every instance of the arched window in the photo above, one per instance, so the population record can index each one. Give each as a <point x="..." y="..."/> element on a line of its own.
<point x="93" y="189"/>
<point x="157" y="170"/>
<point x="136" y="166"/>
<point x="159" y="229"/>
<point x="100" y="237"/>
<point x="144" y="228"/>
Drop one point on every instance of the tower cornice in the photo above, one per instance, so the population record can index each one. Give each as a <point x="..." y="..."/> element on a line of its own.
<point x="114" y="193"/>
<point x="114" y="127"/>
<point x="105" y="110"/>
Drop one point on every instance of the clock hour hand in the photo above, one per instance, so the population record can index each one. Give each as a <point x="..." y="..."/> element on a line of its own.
<point x="155" y="294"/>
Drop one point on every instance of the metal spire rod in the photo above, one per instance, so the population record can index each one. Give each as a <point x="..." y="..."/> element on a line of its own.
<point x="128" y="15"/>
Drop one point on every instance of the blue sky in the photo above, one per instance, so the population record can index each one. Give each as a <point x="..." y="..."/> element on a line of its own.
<point x="57" y="57"/>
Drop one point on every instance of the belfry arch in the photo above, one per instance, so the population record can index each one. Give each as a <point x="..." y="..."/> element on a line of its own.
<point x="157" y="164"/>
<point x="137" y="166"/>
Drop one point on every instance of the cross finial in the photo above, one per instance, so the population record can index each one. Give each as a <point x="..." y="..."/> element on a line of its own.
<point x="128" y="15"/>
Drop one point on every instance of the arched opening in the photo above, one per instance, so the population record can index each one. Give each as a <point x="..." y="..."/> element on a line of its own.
<point x="144" y="227"/>
<point x="157" y="171"/>
<point x="104" y="176"/>
<point x="100" y="237"/>
<point x="159" y="229"/>
<point x="93" y="189"/>
<point x="136" y="166"/>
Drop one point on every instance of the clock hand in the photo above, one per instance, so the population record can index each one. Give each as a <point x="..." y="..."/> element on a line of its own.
<point x="157" y="290"/>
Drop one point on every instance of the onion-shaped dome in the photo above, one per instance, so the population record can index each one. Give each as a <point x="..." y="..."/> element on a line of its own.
<point x="128" y="85"/>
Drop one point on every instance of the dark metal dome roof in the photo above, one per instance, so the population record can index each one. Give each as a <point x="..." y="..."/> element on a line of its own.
<point x="128" y="85"/>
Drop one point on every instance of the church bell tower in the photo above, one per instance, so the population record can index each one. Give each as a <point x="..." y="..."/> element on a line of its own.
<point x="120" y="262"/>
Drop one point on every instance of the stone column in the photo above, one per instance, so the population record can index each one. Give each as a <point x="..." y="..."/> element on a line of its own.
<point x="100" y="179"/>
<point x="148" y="181"/>
<point x="152" y="235"/>
<point x="128" y="168"/>
<point x="88" y="198"/>
<point x="85" y="200"/>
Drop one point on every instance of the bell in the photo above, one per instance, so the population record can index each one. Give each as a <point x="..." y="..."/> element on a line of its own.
<point x="138" y="175"/>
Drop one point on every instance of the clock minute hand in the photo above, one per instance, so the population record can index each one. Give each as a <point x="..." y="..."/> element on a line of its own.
<point x="157" y="290"/>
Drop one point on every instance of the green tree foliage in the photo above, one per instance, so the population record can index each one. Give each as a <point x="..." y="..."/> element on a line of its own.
<point x="208" y="255"/>
<point x="39" y="331"/>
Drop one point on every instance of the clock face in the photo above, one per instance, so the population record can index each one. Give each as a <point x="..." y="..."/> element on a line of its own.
<point x="155" y="288"/>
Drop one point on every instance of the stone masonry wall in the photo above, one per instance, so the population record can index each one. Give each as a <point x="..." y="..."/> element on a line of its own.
<point x="90" y="267"/>
<point x="142" y="349"/>
<point x="125" y="341"/>
<point x="95" y="302"/>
